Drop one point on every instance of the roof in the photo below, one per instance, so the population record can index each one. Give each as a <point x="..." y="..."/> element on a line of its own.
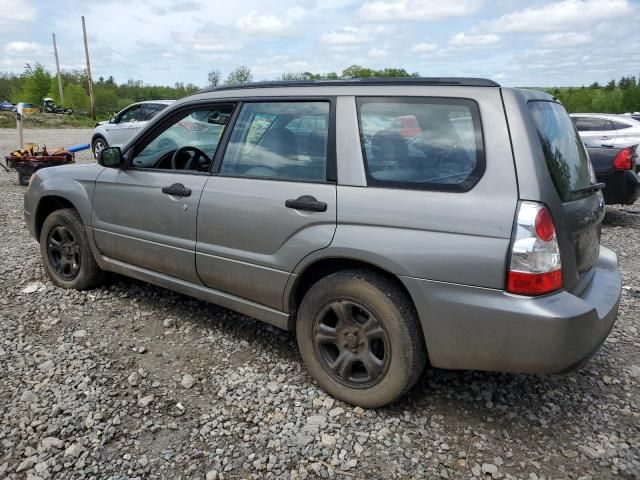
<point x="166" y="102"/>
<point x="416" y="81"/>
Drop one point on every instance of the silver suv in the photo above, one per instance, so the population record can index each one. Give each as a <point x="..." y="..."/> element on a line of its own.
<point x="389" y="223"/>
<point x="125" y="125"/>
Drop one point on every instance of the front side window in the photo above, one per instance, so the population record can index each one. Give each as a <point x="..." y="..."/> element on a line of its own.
<point x="280" y="140"/>
<point x="133" y="114"/>
<point x="188" y="143"/>
<point x="430" y="143"/>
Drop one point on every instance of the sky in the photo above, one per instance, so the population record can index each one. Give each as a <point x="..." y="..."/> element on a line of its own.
<point x="517" y="43"/>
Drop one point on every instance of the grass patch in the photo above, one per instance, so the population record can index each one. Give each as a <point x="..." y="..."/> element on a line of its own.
<point x="47" y="120"/>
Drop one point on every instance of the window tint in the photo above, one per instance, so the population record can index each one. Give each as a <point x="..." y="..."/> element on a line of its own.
<point x="608" y="126"/>
<point x="152" y="109"/>
<point x="563" y="149"/>
<point x="131" y="115"/>
<point x="286" y="140"/>
<point x="589" y="124"/>
<point x="431" y="143"/>
<point x="189" y="143"/>
<point x="620" y="125"/>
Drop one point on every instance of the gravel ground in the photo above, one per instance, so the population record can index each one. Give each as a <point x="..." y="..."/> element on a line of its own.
<point x="133" y="381"/>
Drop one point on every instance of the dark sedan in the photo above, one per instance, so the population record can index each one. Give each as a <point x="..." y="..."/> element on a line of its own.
<point x="618" y="169"/>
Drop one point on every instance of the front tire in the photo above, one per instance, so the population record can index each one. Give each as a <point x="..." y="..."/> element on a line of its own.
<point x="66" y="253"/>
<point x="359" y="335"/>
<point x="98" y="144"/>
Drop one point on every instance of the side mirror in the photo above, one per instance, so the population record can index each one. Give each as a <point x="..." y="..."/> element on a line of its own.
<point x="112" y="119"/>
<point x="110" y="157"/>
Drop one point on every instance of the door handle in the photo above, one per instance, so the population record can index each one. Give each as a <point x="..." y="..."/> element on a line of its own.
<point x="306" y="202"/>
<point x="177" y="190"/>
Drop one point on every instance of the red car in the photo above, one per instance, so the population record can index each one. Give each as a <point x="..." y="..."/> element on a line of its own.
<point x="407" y="126"/>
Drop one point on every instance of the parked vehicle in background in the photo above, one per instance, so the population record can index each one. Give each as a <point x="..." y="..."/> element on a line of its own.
<point x="300" y="204"/>
<point x="7" y="106"/>
<point x="123" y="126"/>
<point x="600" y="130"/>
<point x="49" y="106"/>
<point x="634" y="115"/>
<point x="27" y="108"/>
<point x="618" y="169"/>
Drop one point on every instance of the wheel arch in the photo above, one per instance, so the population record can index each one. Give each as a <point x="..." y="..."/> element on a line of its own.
<point x="319" y="268"/>
<point x="46" y="206"/>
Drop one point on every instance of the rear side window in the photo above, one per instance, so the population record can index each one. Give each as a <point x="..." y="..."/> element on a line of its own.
<point x="422" y="143"/>
<point x="279" y="140"/>
<point x="563" y="149"/>
<point x="589" y="124"/>
<point x="620" y="125"/>
<point x="151" y="110"/>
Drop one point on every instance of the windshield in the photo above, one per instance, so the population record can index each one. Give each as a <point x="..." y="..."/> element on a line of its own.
<point x="564" y="151"/>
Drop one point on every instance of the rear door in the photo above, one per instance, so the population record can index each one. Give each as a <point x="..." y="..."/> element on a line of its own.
<point x="271" y="202"/>
<point x="581" y="211"/>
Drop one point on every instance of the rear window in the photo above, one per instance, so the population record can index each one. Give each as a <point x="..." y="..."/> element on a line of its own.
<point x="563" y="149"/>
<point x="422" y="143"/>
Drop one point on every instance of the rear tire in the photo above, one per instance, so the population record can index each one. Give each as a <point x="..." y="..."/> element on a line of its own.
<point x="66" y="253"/>
<point x="359" y="335"/>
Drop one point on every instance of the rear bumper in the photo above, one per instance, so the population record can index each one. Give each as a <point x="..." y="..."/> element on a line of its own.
<point x="483" y="329"/>
<point x="623" y="187"/>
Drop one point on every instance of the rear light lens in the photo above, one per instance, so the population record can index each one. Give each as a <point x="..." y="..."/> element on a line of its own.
<point x="623" y="160"/>
<point x="534" y="267"/>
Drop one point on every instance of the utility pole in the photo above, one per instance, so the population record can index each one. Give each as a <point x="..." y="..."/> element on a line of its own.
<point x="86" y="52"/>
<point x="55" y="52"/>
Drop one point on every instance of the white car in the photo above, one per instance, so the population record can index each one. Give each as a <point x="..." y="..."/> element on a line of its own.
<point x="123" y="126"/>
<point x="602" y="130"/>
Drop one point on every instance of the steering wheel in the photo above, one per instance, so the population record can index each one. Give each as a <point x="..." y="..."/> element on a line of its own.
<point x="196" y="155"/>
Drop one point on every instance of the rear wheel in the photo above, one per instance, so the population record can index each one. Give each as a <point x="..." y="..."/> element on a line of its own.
<point x="23" y="178"/>
<point x="98" y="144"/>
<point x="359" y="335"/>
<point x="65" y="251"/>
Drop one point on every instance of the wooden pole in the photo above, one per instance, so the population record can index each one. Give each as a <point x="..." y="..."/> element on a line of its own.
<point x="86" y="52"/>
<point x="55" y="52"/>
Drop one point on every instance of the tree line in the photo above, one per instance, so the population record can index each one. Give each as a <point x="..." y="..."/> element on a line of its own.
<point x="36" y="83"/>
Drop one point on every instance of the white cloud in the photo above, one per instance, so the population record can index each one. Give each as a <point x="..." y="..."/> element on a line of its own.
<point x="481" y="40"/>
<point x="424" y="48"/>
<point x="557" y="16"/>
<point x="378" y="53"/>
<point x="344" y="36"/>
<point x="16" y="11"/>
<point x="262" y="24"/>
<point x="24" y="48"/>
<point x="416" y="10"/>
<point x="214" y="46"/>
<point x="565" y="39"/>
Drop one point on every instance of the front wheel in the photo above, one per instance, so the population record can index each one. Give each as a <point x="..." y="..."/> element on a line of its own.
<point x="65" y="251"/>
<point x="98" y="145"/>
<point x="359" y="335"/>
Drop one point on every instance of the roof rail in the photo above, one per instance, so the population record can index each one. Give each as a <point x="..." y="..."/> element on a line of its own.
<point x="414" y="81"/>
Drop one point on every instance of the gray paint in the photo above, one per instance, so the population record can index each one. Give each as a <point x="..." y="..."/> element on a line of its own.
<point x="236" y="244"/>
<point x="245" y="232"/>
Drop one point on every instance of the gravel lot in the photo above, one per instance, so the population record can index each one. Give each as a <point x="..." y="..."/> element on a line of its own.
<point x="133" y="381"/>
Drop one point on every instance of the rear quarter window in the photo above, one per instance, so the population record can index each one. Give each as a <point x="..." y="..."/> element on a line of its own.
<point x="564" y="152"/>
<point x="442" y="149"/>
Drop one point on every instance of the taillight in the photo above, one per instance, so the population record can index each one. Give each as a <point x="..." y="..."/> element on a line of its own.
<point x="535" y="267"/>
<point x="623" y="160"/>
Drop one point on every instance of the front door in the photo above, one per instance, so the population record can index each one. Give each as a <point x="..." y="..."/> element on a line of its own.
<point x="145" y="215"/>
<point x="271" y="202"/>
<point x="126" y="125"/>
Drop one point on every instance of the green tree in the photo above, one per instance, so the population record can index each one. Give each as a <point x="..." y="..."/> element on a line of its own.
<point x="37" y="83"/>
<point x="214" y="77"/>
<point x="241" y="74"/>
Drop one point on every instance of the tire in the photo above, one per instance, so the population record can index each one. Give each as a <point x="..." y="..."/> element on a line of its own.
<point x="70" y="264"/>
<point x="23" y="179"/>
<point x="376" y="305"/>
<point x="97" y="144"/>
